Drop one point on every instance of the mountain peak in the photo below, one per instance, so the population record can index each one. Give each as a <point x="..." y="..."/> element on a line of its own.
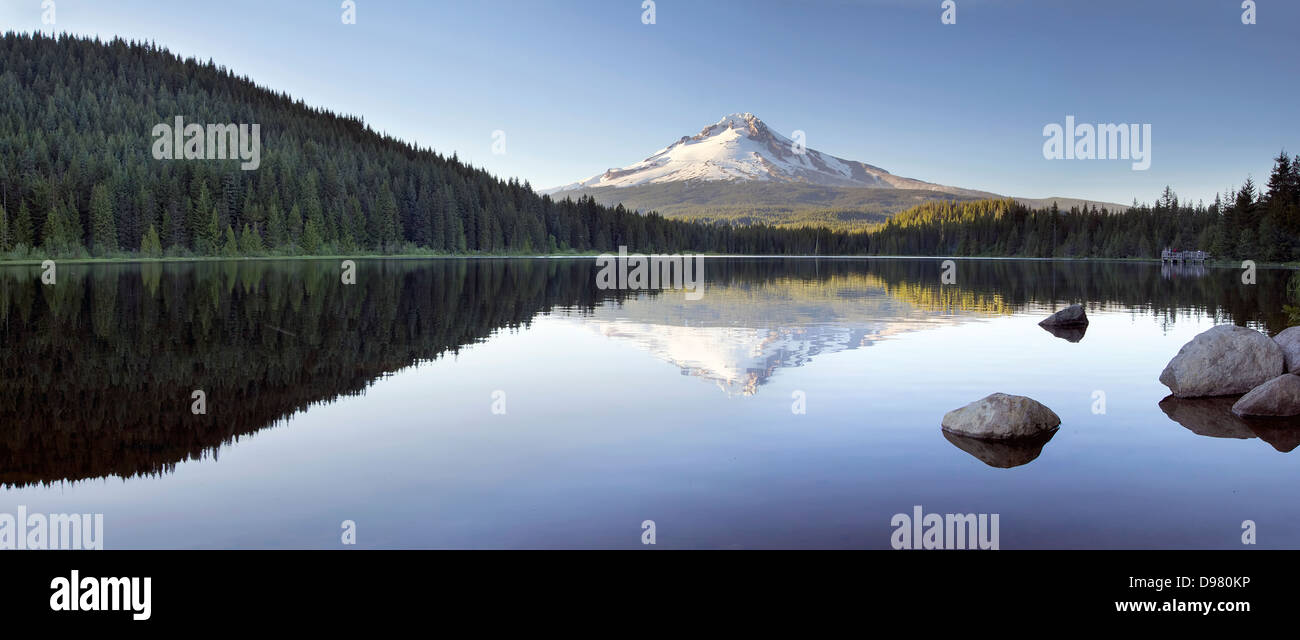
<point x="742" y="148"/>
<point x="739" y="120"/>
<point x="747" y="124"/>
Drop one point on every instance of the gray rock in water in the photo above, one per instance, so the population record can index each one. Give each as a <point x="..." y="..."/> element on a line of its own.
<point x="1223" y="361"/>
<point x="1279" y="398"/>
<point x="1289" y="340"/>
<point x="1003" y="454"/>
<point x="1000" y="416"/>
<point x="1071" y="316"/>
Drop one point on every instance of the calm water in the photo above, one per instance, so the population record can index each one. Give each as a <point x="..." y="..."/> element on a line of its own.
<point x="375" y="402"/>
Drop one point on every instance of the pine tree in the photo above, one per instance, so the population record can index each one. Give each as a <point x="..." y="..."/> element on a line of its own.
<point x="1247" y="247"/>
<point x="386" y="228"/>
<point x="276" y="234"/>
<point x="52" y="231"/>
<point x="103" y="227"/>
<point x="151" y="246"/>
<point x="230" y="247"/>
<point x="199" y="220"/>
<point x="1279" y="182"/>
<point x="208" y="242"/>
<point x="295" y="224"/>
<point x="347" y="241"/>
<point x="250" y="244"/>
<point x="313" y="213"/>
<point x="454" y="230"/>
<point x="23" y="233"/>
<point x="311" y="237"/>
<point x="6" y="242"/>
<point x="74" y="236"/>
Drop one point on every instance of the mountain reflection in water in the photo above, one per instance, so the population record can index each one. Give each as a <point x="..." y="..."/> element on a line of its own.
<point x="99" y="369"/>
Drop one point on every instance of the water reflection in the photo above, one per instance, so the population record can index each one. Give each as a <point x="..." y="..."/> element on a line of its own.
<point x="98" y="369"/>
<point x="1172" y="270"/>
<point x="1003" y="454"/>
<point x="1213" y="418"/>
<point x="1209" y="417"/>
<point x="1069" y="334"/>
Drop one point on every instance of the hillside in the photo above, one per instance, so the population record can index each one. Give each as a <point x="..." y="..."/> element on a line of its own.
<point x="78" y="175"/>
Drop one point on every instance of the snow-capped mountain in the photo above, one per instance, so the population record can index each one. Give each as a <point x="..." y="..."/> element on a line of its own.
<point x="740" y="147"/>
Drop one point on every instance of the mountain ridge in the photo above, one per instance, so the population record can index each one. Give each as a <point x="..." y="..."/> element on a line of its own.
<point x="741" y="147"/>
<point x="739" y="170"/>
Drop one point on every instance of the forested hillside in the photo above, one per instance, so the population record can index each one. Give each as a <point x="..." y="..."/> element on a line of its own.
<point x="77" y="173"/>
<point x="1244" y="224"/>
<point x="78" y="177"/>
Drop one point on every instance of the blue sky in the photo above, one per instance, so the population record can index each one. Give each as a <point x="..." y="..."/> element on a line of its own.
<point x="581" y="86"/>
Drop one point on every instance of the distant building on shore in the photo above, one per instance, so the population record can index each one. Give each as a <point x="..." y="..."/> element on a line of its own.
<point x="1174" y="255"/>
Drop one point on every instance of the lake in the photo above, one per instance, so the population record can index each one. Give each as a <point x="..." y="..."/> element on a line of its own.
<point x="511" y="403"/>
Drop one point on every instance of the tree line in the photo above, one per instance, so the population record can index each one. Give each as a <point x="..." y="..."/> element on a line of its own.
<point x="1242" y="223"/>
<point x="77" y="178"/>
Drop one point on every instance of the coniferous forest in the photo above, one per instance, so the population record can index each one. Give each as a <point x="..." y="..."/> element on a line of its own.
<point x="77" y="179"/>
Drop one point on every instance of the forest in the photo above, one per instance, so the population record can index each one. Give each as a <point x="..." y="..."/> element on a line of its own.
<point x="77" y="179"/>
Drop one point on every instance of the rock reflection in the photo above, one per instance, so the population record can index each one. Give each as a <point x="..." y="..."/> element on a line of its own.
<point x="1003" y="454"/>
<point x="1210" y="417"/>
<point x="1213" y="418"/>
<point x="1282" y="434"/>
<point x="1069" y="334"/>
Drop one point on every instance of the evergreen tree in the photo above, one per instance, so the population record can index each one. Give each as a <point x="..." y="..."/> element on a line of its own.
<point x="295" y="224"/>
<point x="230" y="247"/>
<point x="454" y="233"/>
<point x="310" y="243"/>
<point x="103" y="226"/>
<point x="151" y="246"/>
<point x="386" y="229"/>
<point x="250" y="244"/>
<point x="276" y="233"/>
<point x="198" y="222"/>
<point x="23" y="233"/>
<point x="62" y="232"/>
<point x="6" y="242"/>
<point x="208" y="242"/>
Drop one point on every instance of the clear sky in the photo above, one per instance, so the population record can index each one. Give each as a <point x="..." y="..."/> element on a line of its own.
<point x="581" y="86"/>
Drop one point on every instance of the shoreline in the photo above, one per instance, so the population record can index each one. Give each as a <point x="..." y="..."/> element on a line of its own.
<point x="560" y="256"/>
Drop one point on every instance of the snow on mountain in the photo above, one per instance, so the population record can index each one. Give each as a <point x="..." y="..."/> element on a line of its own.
<point x="740" y="147"/>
